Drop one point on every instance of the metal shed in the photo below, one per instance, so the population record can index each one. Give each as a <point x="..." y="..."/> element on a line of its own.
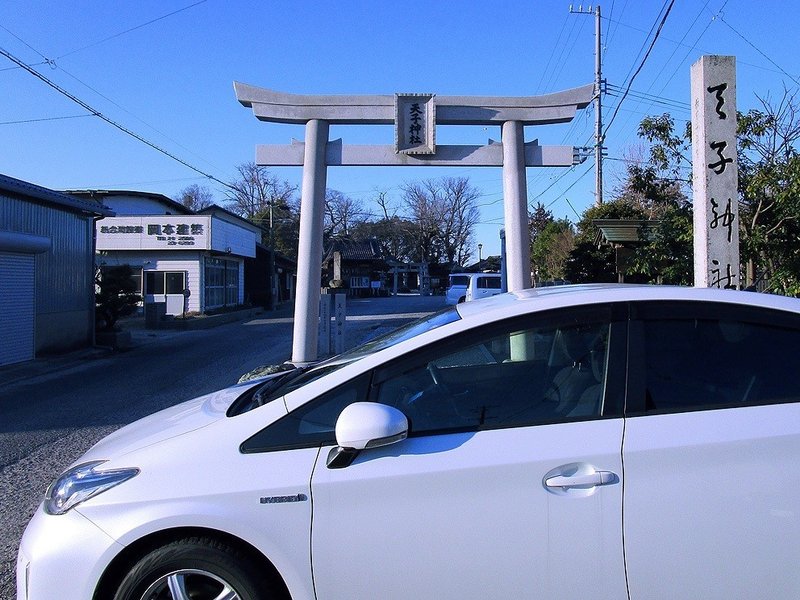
<point x="46" y="270"/>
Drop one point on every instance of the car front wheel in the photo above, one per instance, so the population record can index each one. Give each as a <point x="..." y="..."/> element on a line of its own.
<point x="194" y="569"/>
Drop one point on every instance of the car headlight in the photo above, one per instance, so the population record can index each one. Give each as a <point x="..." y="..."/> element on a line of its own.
<point x="82" y="482"/>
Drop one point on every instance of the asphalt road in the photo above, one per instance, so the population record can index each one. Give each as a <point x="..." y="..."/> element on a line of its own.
<point x="48" y="419"/>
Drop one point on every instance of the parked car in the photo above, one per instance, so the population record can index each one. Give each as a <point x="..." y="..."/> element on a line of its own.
<point x="483" y="285"/>
<point x="457" y="288"/>
<point x="571" y="442"/>
<point x="550" y="282"/>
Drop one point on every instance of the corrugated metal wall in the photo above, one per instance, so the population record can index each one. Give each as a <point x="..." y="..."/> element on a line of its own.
<point x="16" y="307"/>
<point x="64" y="274"/>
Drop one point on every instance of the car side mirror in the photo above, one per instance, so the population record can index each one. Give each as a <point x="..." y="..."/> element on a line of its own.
<point x="363" y="425"/>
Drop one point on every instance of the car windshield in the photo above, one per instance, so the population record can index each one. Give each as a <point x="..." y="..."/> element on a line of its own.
<point x="296" y="378"/>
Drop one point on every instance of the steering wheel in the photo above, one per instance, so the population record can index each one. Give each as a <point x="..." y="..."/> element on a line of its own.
<point x="436" y="376"/>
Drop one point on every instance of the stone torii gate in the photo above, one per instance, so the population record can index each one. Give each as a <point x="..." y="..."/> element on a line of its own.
<point x="415" y="117"/>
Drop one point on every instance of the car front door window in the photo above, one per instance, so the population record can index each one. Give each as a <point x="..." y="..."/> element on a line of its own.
<point x="521" y="376"/>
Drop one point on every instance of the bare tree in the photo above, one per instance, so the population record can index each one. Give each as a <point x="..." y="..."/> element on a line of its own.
<point x="424" y="210"/>
<point x="393" y="233"/>
<point x="195" y="197"/>
<point x="256" y="190"/>
<point x="342" y="213"/>
<point x="445" y="214"/>
<point x="461" y="217"/>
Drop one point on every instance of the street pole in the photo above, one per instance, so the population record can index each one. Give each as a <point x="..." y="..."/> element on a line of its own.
<point x="598" y="104"/>
<point x="272" y="286"/>
<point x="598" y="110"/>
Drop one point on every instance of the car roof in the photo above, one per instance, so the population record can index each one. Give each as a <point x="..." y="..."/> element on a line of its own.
<point x="535" y="299"/>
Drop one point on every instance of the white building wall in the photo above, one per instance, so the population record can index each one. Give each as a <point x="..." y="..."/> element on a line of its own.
<point x="127" y="240"/>
<point x="189" y="262"/>
<point x="136" y="205"/>
<point x="232" y="239"/>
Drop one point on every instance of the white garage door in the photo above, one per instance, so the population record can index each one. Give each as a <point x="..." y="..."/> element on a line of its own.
<point x="16" y="307"/>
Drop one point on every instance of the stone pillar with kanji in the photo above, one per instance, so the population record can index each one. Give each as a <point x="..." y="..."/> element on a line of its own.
<point x="715" y="173"/>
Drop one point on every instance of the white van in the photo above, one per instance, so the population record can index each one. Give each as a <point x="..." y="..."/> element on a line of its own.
<point x="457" y="288"/>
<point x="483" y="285"/>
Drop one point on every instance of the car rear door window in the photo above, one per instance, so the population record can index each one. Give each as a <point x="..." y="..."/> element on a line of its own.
<point x="705" y="362"/>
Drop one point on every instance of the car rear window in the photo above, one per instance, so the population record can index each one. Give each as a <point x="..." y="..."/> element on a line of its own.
<point x="460" y="280"/>
<point x="491" y="283"/>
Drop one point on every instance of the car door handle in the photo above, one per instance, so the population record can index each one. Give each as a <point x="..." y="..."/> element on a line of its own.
<point x="582" y="480"/>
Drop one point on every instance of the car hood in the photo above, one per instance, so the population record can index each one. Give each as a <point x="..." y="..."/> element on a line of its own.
<point x="168" y="423"/>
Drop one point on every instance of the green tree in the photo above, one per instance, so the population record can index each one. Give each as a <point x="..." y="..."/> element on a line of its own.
<point x="551" y="248"/>
<point x="665" y="253"/>
<point x="769" y="191"/>
<point x="116" y="296"/>
<point x="539" y="217"/>
<point x="589" y="262"/>
<point x="769" y="188"/>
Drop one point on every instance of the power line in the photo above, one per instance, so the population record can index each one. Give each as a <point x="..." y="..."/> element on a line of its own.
<point x="43" y="119"/>
<point x="644" y="43"/>
<point x="19" y="39"/>
<point x="675" y="105"/>
<point x="749" y="43"/>
<point x="680" y="43"/>
<point x="611" y="33"/>
<point x="552" y="53"/>
<point x="122" y="108"/>
<point x="615" y="91"/>
<point x="121" y="33"/>
<point x="97" y="113"/>
<point x="53" y="65"/>
<point x="641" y="65"/>
<point x="564" y="174"/>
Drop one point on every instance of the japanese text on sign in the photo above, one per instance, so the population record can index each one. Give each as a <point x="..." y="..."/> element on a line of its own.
<point x="715" y="173"/>
<point x="415" y="124"/>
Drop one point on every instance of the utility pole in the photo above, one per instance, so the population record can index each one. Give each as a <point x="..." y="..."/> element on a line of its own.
<point x="598" y="104"/>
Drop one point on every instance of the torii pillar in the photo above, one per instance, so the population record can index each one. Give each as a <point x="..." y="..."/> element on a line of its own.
<point x="415" y="117"/>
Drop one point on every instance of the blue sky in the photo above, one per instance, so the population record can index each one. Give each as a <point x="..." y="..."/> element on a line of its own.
<point x="165" y="71"/>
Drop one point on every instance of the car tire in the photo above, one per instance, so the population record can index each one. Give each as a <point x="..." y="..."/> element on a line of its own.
<point x="199" y="568"/>
<point x="462" y="299"/>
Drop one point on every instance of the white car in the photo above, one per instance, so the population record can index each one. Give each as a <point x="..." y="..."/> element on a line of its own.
<point x="457" y="288"/>
<point x="483" y="285"/>
<point x="570" y="442"/>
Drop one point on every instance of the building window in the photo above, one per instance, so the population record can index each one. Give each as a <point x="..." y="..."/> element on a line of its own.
<point x="136" y="276"/>
<point x="164" y="282"/>
<point x="221" y="282"/>
<point x="154" y="282"/>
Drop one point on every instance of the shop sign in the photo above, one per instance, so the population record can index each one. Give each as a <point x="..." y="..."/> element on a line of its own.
<point x="415" y="124"/>
<point x="154" y="232"/>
